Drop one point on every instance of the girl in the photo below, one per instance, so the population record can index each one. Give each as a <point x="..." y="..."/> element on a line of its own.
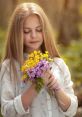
<point x="30" y="30"/>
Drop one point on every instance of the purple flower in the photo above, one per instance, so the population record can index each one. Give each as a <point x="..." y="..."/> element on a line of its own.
<point x="36" y="71"/>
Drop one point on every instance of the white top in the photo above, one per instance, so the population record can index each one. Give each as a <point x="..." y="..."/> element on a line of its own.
<point x="44" y="105"/>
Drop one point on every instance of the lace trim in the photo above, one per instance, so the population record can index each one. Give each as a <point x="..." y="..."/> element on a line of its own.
<point x="49" y="105"/>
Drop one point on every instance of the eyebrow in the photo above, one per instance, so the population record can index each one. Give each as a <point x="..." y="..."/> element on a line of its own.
<point x="35" y="27"/>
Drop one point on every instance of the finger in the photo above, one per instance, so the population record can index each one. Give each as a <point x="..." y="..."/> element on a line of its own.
<point x="48" y="71"/>
<point x="53" y="84"/>
<point x="47" y="75"/>
<point x="50" y="79"/>
<point x="46" y="81"/>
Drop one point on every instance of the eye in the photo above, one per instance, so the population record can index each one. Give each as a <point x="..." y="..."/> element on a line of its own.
<point x="27" y="31"/>
<point x="39" y="29"/>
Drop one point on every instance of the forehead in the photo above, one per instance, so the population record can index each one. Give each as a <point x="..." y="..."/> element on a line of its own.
<point x="32" y="20"/>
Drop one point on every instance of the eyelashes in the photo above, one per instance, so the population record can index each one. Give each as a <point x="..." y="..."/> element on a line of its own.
<point x="29" y="31"/>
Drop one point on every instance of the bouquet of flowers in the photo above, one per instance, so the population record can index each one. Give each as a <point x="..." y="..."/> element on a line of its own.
<point x="34" y="66"/>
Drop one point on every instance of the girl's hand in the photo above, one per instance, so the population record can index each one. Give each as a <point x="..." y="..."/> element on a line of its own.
<point x="50" y="81"/>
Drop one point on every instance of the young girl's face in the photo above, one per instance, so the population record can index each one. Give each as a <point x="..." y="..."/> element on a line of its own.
<point x="33" y="35"/>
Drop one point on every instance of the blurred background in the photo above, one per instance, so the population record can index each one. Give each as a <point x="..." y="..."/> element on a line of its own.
<point x="66" y="19"/>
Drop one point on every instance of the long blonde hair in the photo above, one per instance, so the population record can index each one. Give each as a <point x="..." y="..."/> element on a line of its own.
<point x="14" y="46"/>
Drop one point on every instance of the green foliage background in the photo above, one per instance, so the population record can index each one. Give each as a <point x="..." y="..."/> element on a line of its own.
<point x="2" y="42"/>
<point x="73" y="57"/>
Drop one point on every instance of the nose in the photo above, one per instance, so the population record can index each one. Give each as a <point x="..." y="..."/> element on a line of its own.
<point x="33" y="34"/>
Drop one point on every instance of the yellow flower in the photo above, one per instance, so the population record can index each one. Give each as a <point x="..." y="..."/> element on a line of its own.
<point x="35" y="52"/>
<point x="34" y="58"/>
<point x="24" y="67"/>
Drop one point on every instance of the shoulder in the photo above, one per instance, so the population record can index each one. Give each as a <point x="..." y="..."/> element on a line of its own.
<point x="7" y="69"/>
<point x="60" y="62"/>
<point x="62" y="65"/>
<point x="5" y="64"/>
<point x="4" y="68"/>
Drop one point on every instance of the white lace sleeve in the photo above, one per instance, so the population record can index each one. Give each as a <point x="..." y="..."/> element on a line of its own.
<point x="68" y="88"/>
<point x="11" y="105"/>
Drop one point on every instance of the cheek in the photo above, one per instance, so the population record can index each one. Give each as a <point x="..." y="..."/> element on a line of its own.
<point x="26" y="42"/>
<point x="26" y="38"/>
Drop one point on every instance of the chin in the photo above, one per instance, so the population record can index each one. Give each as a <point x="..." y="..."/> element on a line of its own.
<point x="36" y="47"/>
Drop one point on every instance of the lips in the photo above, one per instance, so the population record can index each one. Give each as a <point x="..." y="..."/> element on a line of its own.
<point x="34" y="41"/>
